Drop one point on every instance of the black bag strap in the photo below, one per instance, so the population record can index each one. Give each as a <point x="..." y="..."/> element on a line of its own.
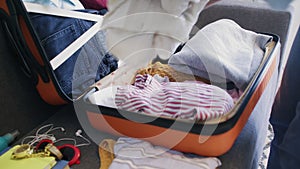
<point x="11" y="13"/>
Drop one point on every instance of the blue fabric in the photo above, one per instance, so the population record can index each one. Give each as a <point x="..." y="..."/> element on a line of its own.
<point x="61" y="164"/>
<point x="56" y="33"/>
<point x="285" y="117"/>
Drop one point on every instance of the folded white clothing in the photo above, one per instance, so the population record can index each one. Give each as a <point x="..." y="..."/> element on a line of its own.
<point x="133" y="153"/>
<point x="222" y="52"/>
<point x="104" y="97"/>
<point x="158" y="26"/>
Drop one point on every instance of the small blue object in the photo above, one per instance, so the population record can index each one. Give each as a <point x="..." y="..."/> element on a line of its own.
<point x="4" y="151"/>
<point x="6" y="139"/>
<point x="61" y="164"/>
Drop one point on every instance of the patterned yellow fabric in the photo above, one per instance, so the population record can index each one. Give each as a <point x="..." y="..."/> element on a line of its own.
<point x="106" y="153"/>
<point x="166" y="70"/>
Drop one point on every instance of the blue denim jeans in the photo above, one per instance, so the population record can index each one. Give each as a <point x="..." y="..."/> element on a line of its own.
<point x="87" y="65"/>
<point x="285" y="117"/>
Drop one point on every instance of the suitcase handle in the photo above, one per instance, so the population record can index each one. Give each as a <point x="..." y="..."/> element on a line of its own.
<point x="25" y="66"/>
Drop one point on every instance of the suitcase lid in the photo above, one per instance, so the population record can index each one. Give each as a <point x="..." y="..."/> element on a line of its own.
<point x="42" y="68"/>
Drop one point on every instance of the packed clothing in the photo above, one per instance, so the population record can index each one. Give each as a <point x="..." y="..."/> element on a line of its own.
<point x="222" y="52"/>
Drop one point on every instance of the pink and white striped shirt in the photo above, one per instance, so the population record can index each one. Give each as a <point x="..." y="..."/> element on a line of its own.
<point x="185" y="100"/>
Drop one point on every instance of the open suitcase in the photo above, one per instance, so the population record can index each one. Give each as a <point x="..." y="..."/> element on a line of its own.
<point x="207" y="138"/>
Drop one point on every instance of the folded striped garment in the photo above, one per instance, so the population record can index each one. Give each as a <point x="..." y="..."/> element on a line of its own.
<point x="191" y="100"/>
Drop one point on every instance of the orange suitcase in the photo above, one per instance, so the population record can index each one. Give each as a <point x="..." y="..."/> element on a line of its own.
<point x="207" y="138"/>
